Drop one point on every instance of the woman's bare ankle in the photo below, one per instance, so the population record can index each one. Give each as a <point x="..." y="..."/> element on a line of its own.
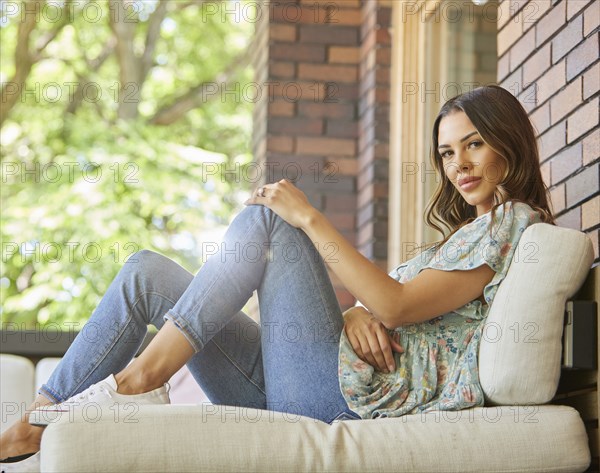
<point x="135" y="383"/>
<point x="19" y="439"/>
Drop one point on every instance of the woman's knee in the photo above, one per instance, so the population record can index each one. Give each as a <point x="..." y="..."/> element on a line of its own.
<point x="151" y="271"/>
<point x="143" y="264"/>
<point x="146" y="259"/>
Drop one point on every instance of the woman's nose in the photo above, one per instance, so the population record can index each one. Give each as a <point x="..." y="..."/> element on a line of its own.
<point x="462" y="164"/>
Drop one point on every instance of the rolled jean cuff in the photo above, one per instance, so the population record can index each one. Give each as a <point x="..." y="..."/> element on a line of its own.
<point x="185" y="329"/>
<point x="50" y="394"/>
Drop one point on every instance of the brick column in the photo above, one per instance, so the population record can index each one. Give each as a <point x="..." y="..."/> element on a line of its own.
<point x="307" y="129"/>
<point x="548" y="57"/>
<point x="374" y="127"/>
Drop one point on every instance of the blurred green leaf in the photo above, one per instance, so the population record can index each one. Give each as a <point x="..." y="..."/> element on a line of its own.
<point x="82" y="191"/>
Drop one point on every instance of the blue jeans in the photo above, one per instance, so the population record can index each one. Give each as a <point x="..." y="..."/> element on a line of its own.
<point x="288" y="363"/>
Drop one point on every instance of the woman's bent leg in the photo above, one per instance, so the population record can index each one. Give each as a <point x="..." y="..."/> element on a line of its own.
<point x="106" y="342"/>
<point x="147" y="286"/>
<point x="300" y="318"/>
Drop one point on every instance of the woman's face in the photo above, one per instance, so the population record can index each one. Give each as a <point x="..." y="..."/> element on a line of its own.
<point x="466" y="157"/>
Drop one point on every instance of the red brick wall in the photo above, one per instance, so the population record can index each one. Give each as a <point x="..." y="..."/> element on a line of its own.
<point x="548" y="56"/>
<point x="307" y="130"/>
<point x="328" y="64"/>
<point x="374" y="128"/>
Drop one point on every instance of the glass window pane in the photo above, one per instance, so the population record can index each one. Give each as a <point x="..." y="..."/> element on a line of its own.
<point x="460" y="54"/>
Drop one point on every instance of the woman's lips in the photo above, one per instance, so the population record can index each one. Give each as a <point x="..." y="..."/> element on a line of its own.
<point x="471" y="184"/>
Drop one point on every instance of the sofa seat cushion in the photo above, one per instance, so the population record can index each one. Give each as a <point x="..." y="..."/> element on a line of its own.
<point x="192" y="438"/>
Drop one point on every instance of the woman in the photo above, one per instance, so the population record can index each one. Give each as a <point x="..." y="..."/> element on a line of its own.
<point x="410" y="345"/>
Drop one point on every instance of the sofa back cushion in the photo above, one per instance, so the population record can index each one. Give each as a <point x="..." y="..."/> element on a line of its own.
<point x="16" y="388"/>
<point x="520" y="352"/>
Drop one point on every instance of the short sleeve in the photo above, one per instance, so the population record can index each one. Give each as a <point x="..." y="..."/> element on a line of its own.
<point x="484" y="241"/>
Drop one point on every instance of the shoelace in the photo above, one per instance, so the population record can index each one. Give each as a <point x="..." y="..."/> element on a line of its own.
<point x="85" y="395"/>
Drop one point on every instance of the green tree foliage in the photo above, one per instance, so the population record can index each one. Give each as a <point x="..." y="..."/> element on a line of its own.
<point x="116" y="129"/>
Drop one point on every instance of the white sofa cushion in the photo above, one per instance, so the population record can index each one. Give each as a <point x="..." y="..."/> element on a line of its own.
<point x="16" y="388"/>
<point x="520" y="352"/>
<point x="222" y="438"/>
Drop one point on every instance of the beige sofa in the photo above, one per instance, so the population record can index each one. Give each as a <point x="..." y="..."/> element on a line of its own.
<point x="520" y="360"/>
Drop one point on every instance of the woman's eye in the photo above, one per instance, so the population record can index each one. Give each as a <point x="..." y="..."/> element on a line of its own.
<point x="476" y="143"/>
<point x="445" y="154"/>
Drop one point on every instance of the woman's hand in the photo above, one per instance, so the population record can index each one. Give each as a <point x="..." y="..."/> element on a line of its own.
<point x="286" y="200"/>
<point x="370" y="340"/>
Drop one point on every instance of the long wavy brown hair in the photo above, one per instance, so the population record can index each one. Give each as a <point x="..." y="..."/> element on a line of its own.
<point x="505" y="127"/>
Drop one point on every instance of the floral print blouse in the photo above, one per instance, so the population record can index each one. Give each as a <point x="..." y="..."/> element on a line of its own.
<point x="438" y="369"/>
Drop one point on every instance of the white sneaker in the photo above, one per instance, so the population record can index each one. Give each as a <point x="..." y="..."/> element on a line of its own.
<point x="29" y="465"/>
<point x="91" y="403"/>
